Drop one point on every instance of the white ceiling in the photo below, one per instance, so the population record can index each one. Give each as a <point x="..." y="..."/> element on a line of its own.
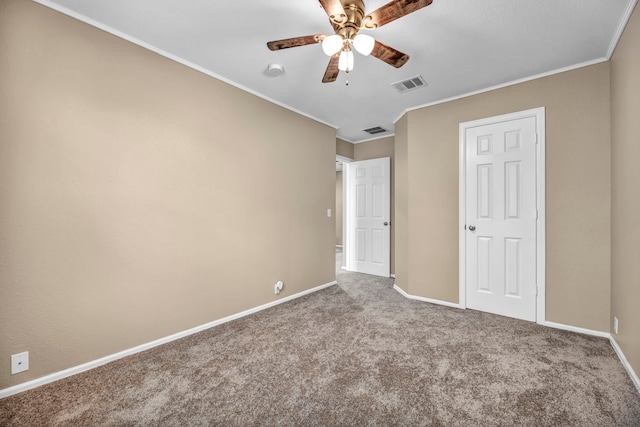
<point x="458" y="46"/>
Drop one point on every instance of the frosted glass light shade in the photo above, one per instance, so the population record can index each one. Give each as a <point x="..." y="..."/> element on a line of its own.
<point x="364" y="44"/>
<point x="332" y="44"/>
<point x="345" y="62"/>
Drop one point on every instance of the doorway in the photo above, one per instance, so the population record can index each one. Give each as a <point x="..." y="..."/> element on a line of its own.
<point x="502" y="214"/>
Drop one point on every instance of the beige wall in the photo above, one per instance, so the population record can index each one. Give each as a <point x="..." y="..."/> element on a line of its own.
<point x="578" y="192"/>
<point x="344" y="148"/>
<point x="625" y="203"/>
<point x="140" y="198"/>
<point x="377" y="149"/>
<point x="339" y="203"/>
<point x="401" y="202"/>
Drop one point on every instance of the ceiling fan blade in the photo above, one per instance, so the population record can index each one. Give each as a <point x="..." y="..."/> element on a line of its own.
<point x="332" y="69"/>
<point x="389" y="55"/>
<point x="334" y="9"/>
<point x="295" y="42"/>
<point x="393" y="10"/>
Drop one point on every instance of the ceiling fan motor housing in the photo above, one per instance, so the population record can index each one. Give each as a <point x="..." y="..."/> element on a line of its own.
<point x="349" y="25"/>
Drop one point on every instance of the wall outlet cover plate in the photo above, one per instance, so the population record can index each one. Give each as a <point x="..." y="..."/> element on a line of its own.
<point x="19" y="362"/>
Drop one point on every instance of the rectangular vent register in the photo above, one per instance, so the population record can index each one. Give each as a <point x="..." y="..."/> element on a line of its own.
<point x="413" y="83"/>
<point x="375" y="130"/>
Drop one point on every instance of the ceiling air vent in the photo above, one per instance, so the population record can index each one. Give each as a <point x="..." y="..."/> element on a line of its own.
<point x="413" y="83"/>
<point x="375" y="130"/>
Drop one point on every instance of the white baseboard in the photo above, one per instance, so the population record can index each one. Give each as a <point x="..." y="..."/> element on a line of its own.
<point x="625" y="363"/>
<point x="577" y="329"/>
<point x="423" y="299"/>
<point x="104" y="360"/>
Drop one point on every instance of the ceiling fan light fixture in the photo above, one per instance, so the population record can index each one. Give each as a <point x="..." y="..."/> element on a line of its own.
<point x="332" y="44"/>
<point x="345" y="62"/>
<point x="364" y="44"/>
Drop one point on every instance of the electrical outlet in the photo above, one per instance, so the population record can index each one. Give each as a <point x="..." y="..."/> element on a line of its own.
<point x="19" y="362"/>
<point x="615" y="325"/>
<point x="328" y="213"/>
<point x="278" y="287"/>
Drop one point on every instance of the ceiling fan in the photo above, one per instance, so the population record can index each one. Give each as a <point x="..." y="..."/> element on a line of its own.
<point x="347" y="18"/>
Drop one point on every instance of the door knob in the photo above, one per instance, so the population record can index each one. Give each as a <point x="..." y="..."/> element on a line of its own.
<point x="385" y="223"/>
<point x="472" y="228"/>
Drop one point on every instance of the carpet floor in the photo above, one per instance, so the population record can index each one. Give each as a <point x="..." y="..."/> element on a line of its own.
<point x="353" y="354"/>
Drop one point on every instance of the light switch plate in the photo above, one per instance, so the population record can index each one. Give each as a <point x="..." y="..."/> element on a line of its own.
<point x="19" y="362"/>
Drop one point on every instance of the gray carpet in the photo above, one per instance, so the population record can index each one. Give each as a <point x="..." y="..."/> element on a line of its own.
<point x="354" y="354"/>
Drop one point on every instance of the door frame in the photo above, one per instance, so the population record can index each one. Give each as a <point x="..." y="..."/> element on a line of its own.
<point x="539" y="115"/>
<point x="346" y="208"/>
<point x="345" y="244"/>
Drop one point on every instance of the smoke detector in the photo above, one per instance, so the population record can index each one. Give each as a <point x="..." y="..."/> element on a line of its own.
<point x="274" y="70"/>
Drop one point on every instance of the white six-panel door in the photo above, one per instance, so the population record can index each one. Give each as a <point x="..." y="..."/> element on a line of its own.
<point x="501" y="217"/>
<point x="368" y="244"/>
